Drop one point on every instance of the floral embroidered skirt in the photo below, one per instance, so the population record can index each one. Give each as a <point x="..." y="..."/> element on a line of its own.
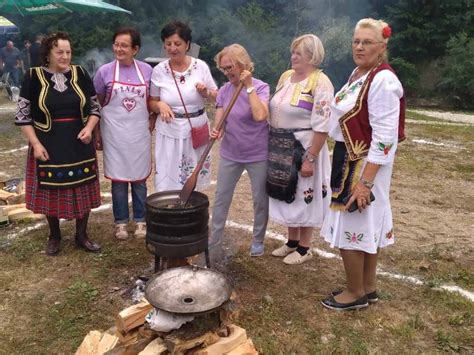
<point x="312" y="198"/>
<point x="175" y="159"/>
<point x="68" y="203"/>
<point x="366" y="231"/>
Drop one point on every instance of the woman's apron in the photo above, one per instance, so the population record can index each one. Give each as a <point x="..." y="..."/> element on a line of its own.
<point x="72" y="163"/>
<point x="124" y="126"/>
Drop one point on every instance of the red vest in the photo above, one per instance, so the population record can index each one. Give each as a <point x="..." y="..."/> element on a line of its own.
<point x="355" y="124"/>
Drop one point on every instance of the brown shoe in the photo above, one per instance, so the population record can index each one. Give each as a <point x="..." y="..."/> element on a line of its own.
<point x="52" y="248"/>
<point x="87" y="244"/>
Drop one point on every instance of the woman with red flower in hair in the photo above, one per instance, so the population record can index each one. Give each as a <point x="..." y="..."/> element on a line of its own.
<point x="367" y="122"/>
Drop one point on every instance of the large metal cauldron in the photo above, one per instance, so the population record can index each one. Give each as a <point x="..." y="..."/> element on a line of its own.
<point x="174" y="231"/>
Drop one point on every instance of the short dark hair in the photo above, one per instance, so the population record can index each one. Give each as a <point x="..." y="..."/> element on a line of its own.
<point x="49" y="42"/>
<point x="134" y="35"/>
<point x="179" y="28"/>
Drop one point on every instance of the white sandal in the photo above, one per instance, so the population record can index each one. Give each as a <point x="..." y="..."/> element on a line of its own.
<point x="296" y="258"/>
<point x="282" y="251"/>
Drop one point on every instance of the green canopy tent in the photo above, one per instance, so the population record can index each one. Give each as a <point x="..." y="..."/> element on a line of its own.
<point x="43" y="7"/>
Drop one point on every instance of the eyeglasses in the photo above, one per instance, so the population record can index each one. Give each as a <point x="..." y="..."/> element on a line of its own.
<point x="364" y="43"/>
<point x="121" y="45"/>
<point x="226" y="69"/>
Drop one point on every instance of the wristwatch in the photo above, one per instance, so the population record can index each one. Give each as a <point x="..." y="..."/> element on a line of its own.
<point x="250" y="90"/>
<point x="367" y="183"/>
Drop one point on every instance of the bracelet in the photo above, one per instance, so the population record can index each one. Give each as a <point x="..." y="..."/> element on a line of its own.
<point x="367" y="183"/>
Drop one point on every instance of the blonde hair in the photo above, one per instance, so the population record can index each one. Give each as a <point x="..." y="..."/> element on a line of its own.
<point x="238" y="56"/>
<point x="377" y="26"/>
<point x="312" y="46"/>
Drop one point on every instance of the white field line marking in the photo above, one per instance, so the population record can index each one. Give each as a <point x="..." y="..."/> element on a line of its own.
<point x="14" y="150"/>
<point x="104" y="207"/>
<point x="408" y="279"/>
<point x="422" y="141"/>
<point x="25" y="230"/>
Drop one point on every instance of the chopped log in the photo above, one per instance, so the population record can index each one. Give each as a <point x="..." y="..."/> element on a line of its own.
<point x="127" y="338"/>
<point x="237" y="337"/>
<point x="230" y="310"/>
<point x="132" y="349"/>
<point x="146" y="332"/>
<point x="156" y="347"/>
<point x="8" y="208"/>
<point x="23" y="213"/>
<point x="199" y="326"/>
<point x="244" y="349"/>
<point x="132" y="317"/>
<point x="107" y="343"/>
<point x="5" y="195"/>
<point x="90" y="344"/>
<point x="177" y="345"/>
<point x="15" y="199"/>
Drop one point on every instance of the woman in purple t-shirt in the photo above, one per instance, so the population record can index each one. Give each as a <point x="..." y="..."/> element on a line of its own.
<point x="244" y="143"/>
<point x="125" y="130"/>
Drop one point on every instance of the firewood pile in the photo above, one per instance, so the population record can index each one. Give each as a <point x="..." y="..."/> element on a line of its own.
<point x="12" y="206"/>
<point x="208" y="334"/>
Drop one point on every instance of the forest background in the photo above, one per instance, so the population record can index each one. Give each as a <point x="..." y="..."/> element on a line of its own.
<point x="431" y="48"/>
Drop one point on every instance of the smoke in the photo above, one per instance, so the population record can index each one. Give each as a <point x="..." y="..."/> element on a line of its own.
<point x="265" y="28"/>
<point x="95" y="58"/>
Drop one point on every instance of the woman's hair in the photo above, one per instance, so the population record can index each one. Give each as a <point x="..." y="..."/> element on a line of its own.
<point x="49" y="42"/>
<point x="312" y="46"/>
<point x="238" y="56"/>
<point x="378" y="27"/>
<point x="132" y="32"/>
<point x="179" y="28"/>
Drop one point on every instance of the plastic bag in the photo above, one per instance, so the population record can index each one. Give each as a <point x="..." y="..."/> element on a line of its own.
<point x="161" y="321"/>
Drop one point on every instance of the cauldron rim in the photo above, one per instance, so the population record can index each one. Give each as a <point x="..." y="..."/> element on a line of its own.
<point x="174" y="194"/>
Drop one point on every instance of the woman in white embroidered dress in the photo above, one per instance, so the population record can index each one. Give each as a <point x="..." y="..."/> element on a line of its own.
<point x="359" y="166"/>
<point x="190" y="79"/>
<point x="301" y="105"/>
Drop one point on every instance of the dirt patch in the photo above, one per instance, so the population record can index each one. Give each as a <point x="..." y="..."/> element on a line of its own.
<point x="448" y="116"/>
<point x="47" y="305"/>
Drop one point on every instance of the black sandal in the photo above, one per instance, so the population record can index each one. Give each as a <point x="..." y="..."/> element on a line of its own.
<point x="371" y="297"/>
<point x="331" y="303"/>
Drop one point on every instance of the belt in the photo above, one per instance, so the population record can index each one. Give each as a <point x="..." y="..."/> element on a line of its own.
<point x="66" y="119"/>
<point x="190" y="114"/>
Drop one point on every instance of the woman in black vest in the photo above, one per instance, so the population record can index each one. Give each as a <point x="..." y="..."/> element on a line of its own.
<point x="57" y="112"/>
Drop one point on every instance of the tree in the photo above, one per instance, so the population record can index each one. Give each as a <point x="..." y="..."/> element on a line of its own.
<point x="457" y="82"/>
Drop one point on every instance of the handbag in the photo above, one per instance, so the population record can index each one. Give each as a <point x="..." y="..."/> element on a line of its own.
<point x="285" y="157"/>
<point x="199" y="135"/>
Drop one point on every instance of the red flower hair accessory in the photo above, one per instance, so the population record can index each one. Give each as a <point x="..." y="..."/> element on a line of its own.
<point x="386" y="32"/>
